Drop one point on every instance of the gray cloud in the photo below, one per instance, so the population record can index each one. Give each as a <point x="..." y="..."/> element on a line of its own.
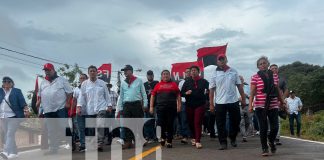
<point x="176" y="19"/>
<point x="220" y="34"/>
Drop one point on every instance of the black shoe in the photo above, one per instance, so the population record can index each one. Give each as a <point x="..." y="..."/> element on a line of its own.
<point x="244" y="140"/>
<point x="223" y="147"/>
<point x="73" y="147"/>
<point x="233" y="143"/>
<point x="50" y="152"/>
<point x="162" y="142"/>
<point x="265" y="152"/>
<point x="82" y="149"/>
<point x="272" y="147"/>
<point x="169" y="145"/>
<point x="278" y="143"/>
<point x="100" y="149"/>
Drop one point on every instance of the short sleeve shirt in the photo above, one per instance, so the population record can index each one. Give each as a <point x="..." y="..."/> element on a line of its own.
<point x="225" y="84"/>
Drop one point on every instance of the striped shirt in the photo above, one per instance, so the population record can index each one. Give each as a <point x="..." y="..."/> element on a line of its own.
<point x="260" y="97"/>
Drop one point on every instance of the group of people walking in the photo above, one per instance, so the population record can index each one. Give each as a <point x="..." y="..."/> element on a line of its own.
<point x="225" y="96"/>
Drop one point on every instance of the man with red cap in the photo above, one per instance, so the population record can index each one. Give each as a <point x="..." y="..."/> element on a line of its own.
<point x="223" y="83"/>
<point x="55" y="94"/>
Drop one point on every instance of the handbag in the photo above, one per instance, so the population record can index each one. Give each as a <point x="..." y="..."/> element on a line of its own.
<point x="282" y="114"/>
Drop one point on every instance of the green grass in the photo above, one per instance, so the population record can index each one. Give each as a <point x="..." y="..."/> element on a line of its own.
<point x="312" y="127"/>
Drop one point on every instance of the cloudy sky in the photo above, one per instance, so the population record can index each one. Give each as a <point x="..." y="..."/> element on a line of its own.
<point x="153" y="34"/>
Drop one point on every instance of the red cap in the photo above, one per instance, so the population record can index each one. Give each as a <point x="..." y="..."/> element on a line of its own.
<point x="221" y="56"/>
<point x="48" y="66"/>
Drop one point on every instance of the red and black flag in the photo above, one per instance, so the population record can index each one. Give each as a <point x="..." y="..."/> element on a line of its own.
<point x="209" y="54"/>
<point x="104" y="72"/>
<point x="34" y="98"/>
<point x="178" y="69"/>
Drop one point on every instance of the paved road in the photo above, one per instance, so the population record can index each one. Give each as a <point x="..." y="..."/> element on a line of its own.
<point x="290" y="150"/>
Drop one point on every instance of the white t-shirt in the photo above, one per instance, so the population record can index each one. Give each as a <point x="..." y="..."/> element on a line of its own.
<point x="225" y="84"/>
<point x="183" y="99"/>
<point x="5" y="110"/>
<point x="53" y="95"/>
<point x="293" y="104"/>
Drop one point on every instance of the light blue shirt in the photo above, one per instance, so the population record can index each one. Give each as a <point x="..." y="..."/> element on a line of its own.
<point x="134" y="92"/>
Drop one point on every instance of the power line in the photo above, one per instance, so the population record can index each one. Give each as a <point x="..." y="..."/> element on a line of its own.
<point x="20" y="59"/>
<point x="28" y="55"/>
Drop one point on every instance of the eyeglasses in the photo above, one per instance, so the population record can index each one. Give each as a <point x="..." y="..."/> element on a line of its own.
<point x="6" y="81"/>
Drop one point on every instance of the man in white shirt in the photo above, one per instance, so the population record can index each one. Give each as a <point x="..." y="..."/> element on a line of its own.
<point x="294" y="105"/>
<point x="223" y="83"/>
<point x="55" y="95"/>
<point x="94" y="96"/>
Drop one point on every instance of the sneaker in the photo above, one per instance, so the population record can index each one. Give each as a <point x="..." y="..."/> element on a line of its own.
<point x="272" y="147"/>
<point x="257" y="133"/>
<point x="198" y="145"/>
<point x="265" y="152"/>
<point x="121" y="141"/>
<point x="184" y="141"/>
<point x="193" y="142"/>
<point x="4" y="155"/>
<point x="82" y="149"/>
<point x="244" y="139"/>
<point x="223" y="147"/>
<point x="12" y="156"/>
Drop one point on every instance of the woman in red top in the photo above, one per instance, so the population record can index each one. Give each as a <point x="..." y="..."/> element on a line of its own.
<point x="265" y="91"/>
<point x="166" y="98"/>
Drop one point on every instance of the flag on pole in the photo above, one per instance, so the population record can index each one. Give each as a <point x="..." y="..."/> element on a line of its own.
<point x="178" y="69"/>
<point x="209" y="54"/>
<point x="104" y="72"/>
<point x="34" y="98"/>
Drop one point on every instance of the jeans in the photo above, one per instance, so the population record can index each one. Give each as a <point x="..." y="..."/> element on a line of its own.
<point x="292" y="117"/>
<point x="263" y="117"/>
<point x="149" y="126"/>
<point x="9" y="127"/>
<point x="233" y="111"/>
<point x="56" y="123"/>
<point x="246" y="121"/>
<point x="182" y="127"/>
<point x="83" y="131"/>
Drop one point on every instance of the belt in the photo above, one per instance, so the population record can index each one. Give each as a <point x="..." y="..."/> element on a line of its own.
<point x="132" y="102"/>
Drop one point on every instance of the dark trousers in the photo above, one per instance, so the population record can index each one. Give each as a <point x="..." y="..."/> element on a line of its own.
<point x="233" y="111"/>
<point x="195" y="117"/>
<point x="165" y="119"/>
<point x="57" y="128"/>
<point x="263" y="117"/>
<point x="211" y="120"/>
<point x="292" y="117"/>
<point x="132" y="110"/>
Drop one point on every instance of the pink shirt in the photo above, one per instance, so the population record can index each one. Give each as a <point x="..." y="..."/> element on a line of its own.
<point x="260" y="98"/>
